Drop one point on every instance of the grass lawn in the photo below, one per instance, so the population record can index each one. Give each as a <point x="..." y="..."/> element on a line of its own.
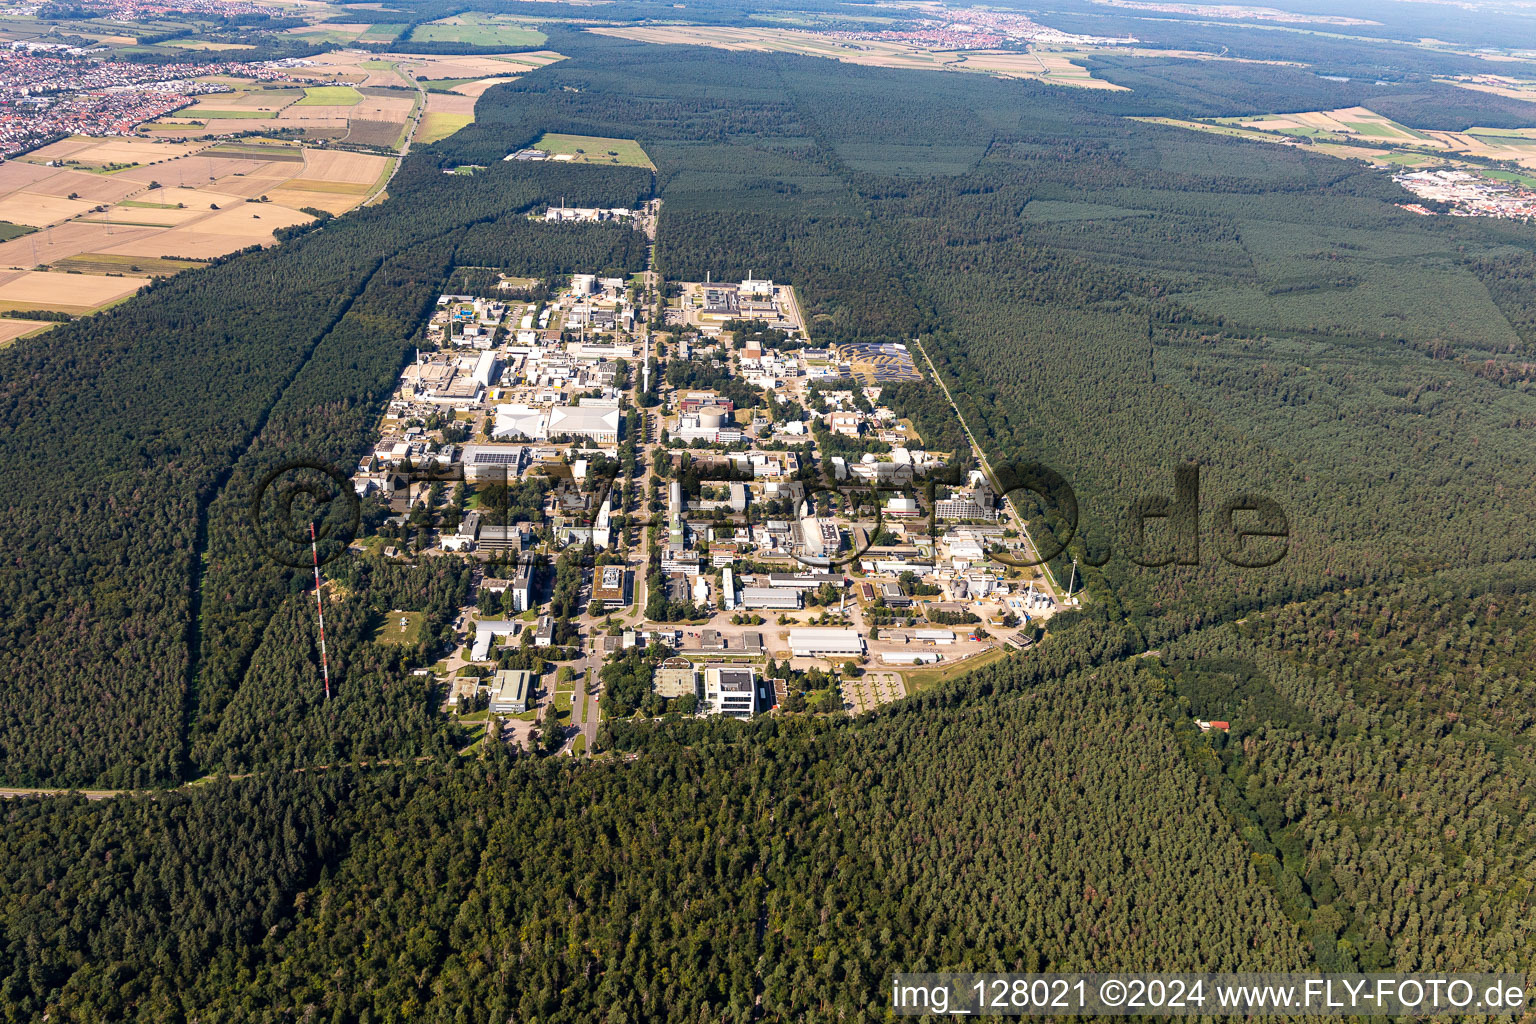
<point x="401" y="628"/>
<point x="921" y="680"/>
<point x="329" y="96"/>
<point x="579" y="744"/>
<point x="589" y="149"/>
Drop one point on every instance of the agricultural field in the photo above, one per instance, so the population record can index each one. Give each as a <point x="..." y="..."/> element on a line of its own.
<point x="479" y="30"/>
<point x="370" y="115"/>
<point x="172" y="199"/>
<point x="585" y="149"/>
<point x="13" y="328"/>
<point x="1356" y="125"/>
<point x="1497" y="85"/>
<point x="62" y="291"/>
<point x="1041" y="65"/>
<point x="330" y="96"/>
<point x="363" y="70"/>
<point x="446" y="113"/>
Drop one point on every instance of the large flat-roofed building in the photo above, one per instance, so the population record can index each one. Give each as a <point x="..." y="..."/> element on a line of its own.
<point x="962" y="506"/>
<point x="720" y="302"/>
<point x="514" y="419"/>
<point x="826" y="643"/>
<point x="803" y="581"/>
<point x="730" y="690"/>
<point x="485" y="369"/>
<point x="511" y="691"/>
<point x="770" y="598"/>
<point x="675" y="678"/>
<point x="600" y="423"/>
<point x="486" y="632"/>
<point x="611" y="587"/>
<point x="502" y="536"/>
<point x="494" y="463"/>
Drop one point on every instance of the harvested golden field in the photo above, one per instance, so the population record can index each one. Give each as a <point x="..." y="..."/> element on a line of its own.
<point x="335" y="203"/>
<point x="122" y="215"/>
<point x="222" y="231"/>
<point x="337" y="165"/>
<point x="40" y="210"/>
<point x="11" y="329"/>
<point x="109" y="152"/>
<point x="68" y="293"/>
<point x="91" y="188"/>
<point x="66" y="240"/>
<point x="15" y="174"/>
<point x="450" y="103"/>
<point x="196" y="170"/>
<point x="474" y="89"/>
<point x="246" y="100"/>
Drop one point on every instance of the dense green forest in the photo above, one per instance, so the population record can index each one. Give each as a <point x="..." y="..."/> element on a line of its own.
<point x="1109" y="297"/>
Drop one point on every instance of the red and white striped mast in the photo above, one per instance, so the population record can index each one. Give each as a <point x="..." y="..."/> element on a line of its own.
<point x="325" y="668"/>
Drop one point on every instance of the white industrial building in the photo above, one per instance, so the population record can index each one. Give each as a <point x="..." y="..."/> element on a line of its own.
<point x="826" y="643"/>
<point x="485" y="369"/>
<point x="600" y="423"/>
<point x="486" y="632"/>
<point x="511" y="691"/>
<point x="730" y="690"/>
<point x="597" y="422"/>
<point x="910" y="657"/>
<point x="496" y="463"/>
<point x="770" y="599"/>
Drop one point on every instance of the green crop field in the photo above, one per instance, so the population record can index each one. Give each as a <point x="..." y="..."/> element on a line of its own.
<point x="436" y="126"/>
<point x="384" y="33"/>
<point x="446" y="84"/>
<point x="330" y="96"/>
<point x="480" y="30"/>
<point x="115" y="263"/>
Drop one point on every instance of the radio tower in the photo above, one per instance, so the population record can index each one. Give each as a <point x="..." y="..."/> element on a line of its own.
<point x="325" y="667"/>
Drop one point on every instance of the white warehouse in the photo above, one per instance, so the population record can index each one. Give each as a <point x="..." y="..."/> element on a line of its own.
<point x="826" y="643"/>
